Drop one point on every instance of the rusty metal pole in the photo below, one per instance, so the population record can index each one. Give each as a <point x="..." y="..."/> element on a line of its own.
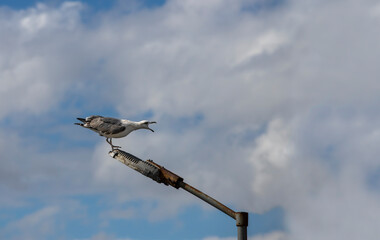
<point x="162" y="175"/>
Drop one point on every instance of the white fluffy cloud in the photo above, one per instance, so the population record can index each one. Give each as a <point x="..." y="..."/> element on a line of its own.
<point x="34" y="66"/>
<point x="292" y="90"/>
<point x="275" y="104"/>
<point x="324" y="191"/>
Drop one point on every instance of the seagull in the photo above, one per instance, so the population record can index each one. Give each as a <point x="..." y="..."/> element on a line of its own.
<point x="112" y="127"/>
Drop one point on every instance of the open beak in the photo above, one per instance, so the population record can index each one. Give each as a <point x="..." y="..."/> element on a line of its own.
<point x="150" y="128"/>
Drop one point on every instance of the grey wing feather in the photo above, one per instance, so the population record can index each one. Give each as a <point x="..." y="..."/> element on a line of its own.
<point x="107" y="125"/>
<point x="92" y="117"/>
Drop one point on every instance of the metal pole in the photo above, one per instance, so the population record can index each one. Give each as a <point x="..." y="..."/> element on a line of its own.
<point x="162" y="175"/>
<point x="241" y="217"/>
<point x="242" y="224"/>
<point x="208" y="199"/>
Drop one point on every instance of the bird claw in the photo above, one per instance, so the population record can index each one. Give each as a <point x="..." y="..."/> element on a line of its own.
<point x="115" y="147"/>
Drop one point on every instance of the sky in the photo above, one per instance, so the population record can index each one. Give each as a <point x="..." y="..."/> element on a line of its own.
<point x="271" y="107"/>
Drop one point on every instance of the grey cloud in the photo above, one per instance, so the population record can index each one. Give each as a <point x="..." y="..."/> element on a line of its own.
<point x="297" y="85"/>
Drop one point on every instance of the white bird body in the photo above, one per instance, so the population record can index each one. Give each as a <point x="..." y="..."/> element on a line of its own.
<point x="113" y="127"/>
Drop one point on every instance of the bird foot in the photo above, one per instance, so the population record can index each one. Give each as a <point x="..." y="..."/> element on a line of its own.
<point x="115" y="147"/>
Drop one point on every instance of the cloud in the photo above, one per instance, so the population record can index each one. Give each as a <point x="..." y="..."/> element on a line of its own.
<point x="105" y="236"/>
<point x="298" y="94"/>
<point x="316" y="188"/>
<point x="33" y="57"/>
<point x="33" y="226"/>
<point x="276" y="107"/>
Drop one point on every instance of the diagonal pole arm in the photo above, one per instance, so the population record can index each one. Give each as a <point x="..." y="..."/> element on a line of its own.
<point x="162" y="175"/>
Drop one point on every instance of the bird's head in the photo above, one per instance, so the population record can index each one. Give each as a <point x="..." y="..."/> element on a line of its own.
<point x="145" y="124"/>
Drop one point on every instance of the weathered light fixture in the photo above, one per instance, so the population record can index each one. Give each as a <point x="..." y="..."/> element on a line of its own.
<point x="162" y="175"/>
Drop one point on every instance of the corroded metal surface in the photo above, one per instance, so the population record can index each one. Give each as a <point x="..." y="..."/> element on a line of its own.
<point x="241" y="219"/>
<point x="168" y="177"/>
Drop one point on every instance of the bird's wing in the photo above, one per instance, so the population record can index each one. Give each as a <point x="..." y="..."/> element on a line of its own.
<point x="106" y="125"/>
<point x="92" y="117"/>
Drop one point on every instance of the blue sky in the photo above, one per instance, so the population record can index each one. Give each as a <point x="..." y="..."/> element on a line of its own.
<point x="271" y="107"/>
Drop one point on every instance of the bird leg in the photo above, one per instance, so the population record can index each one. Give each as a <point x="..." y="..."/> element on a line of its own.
<point x="109" y="140"/>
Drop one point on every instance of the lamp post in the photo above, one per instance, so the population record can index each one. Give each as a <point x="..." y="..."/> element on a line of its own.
<point x="162" y="175"/>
